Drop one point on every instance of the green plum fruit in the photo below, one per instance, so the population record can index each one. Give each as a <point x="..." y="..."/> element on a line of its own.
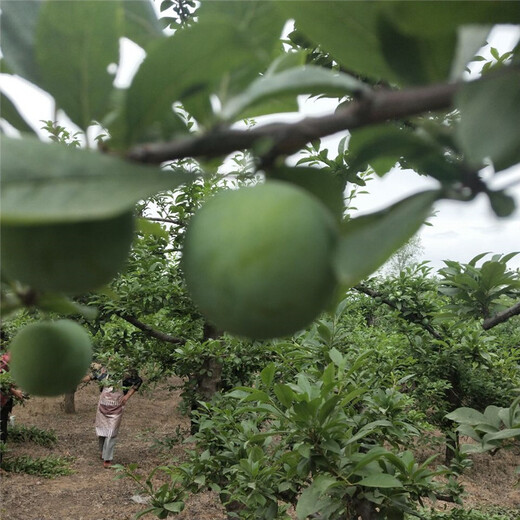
<point x="71" y="258"/>
<point x="258" y="260"/>
<point x="50" y="357"/>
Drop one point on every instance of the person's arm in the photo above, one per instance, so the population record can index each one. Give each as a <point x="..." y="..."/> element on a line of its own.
<point x="129" y="394"/>
<point x="16" y="392"/>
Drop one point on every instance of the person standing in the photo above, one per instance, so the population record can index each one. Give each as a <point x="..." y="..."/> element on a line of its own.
<point x="111" y="405"/>
<point x="8" y="393"/>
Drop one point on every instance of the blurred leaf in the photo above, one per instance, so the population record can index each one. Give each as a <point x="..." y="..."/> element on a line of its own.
<point x="467" y="416"/>
<point x="178" y="68"/>
<point x="148" y="227"/>
<point x="296" y="81"/>
<point x="367" y="242"/>
<point x="438" y="18"/>
<point x="76" y="42"/>
<point x="10" y="113"/>
<point x="469" y="40"/>
<point x="54" y="183"/>
<point x="381" y="481"/>
<point x="63" y="305"/>
<point x="417" y="59"/>
<point x="309" y="501"/>
<point x="141" y="23"/>
<point x="17" y="37"/>
<point x="383" y="146"/>
<point x="346" y="30"/>
<point x="325" y="186"/>
<point x="490" y="120"/>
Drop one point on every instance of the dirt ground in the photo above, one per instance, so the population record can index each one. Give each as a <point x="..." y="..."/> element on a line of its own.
<point x="92" y="493"/>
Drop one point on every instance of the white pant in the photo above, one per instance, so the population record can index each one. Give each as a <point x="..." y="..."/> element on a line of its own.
<point x="106" y="445"/>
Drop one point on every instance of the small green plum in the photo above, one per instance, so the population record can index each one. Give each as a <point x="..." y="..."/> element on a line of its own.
<point x="50" y="358"/>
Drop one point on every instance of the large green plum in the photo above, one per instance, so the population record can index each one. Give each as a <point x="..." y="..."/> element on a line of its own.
<point x="257" y="261"/>
<point x="50" y="357"/>
<point x="72" y="258"/>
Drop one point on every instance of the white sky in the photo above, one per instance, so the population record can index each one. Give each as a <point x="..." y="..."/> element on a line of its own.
<point x="459" y="232"/>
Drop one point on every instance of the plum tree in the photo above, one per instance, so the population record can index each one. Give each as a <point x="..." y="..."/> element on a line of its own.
<point x="66" y="257"/>
<point x="50" y="357"/>
<point x="257" y="260"/>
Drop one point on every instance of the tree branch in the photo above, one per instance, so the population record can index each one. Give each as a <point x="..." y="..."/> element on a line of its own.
<point x="167" y="220"/>
<point x="154" y="333"/>
<point x="501" y="317"/>
<point x="288" y="138"/>
<point x="411" y="317"/>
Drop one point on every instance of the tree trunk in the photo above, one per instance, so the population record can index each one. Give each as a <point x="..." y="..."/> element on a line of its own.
<point x="68" y="403"/>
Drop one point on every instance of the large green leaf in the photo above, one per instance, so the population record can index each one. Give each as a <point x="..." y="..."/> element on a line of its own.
<point x="17" y="37"/>
<point x="177" y="68"/>
<point x="229" y="45"/>
<point x="346" y="30"/>
<point x="416" y="59"/>
<point x="309" y="501"/>
<point x="467" y="416"/>
<point x="76" y="42"/>
<point x="383" y="146"/>
<point x="53" y="183"/>
<point x="293" y="82"/>
<point x="368" y="241"/>
<point x="438" y="18"/>
<point x="321" y="183"/>
<point x="380" y="480"/>
<point x="490" y="120"/>
<point x="141" y="23"/>
<point x="9" y="112"/>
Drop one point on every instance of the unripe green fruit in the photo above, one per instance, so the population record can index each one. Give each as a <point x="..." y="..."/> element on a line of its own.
<point x="50" y="357"/>
<point x="72" y="258"/>
<point x="257" y="261"/>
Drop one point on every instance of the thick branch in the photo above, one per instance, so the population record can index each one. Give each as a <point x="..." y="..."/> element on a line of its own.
<point x="410" y="317"/>
<point x="288" y="138"/>
<point x="501" y="317"/>
<point x="154" y="333"/>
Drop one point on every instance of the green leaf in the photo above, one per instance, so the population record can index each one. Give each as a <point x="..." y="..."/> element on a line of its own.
<point x="141" y="23"/>
<point x="416" y="59"/>
<point x="174" y="507"/>
<point x="10" y="113"/>
<point x="368" y="241"/>
<point x="509" y="433"/>
<point x="380" y="481"/>
<point x="44" y="183"/>
<point x="195" y="69"/>
<point x="147" y="227"/>
<point x="267" y="374"/>
<point x="17" y="37"/>
<point x="490" y="120"/>
<point x="346" y="30"/>
<point x="438" y="18"/>
<point x="309" y="501"/>
<point x="285" y="394"/>
<point x="292" y="82"/>
<point x="324" y="185"/>
<point x="469" y="40"/>
<point x="467" y="416"/>
<point x="76" y="42"/>
<point x="383" y="146"/>
<point x="63" y="305"/>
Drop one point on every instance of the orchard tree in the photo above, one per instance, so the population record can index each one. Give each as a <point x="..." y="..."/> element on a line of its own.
<point x="264" y="260"/>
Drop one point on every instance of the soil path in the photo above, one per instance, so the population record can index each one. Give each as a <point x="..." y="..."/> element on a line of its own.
<point x="92" y="493"/>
